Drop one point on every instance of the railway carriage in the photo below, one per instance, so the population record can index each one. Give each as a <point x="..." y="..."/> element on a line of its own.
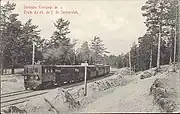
<point x="91" y="72"/>
<point x="68" y="74"/>
<point x="43" y="76"/>
<point x="100" y="70"/>
<point x="107" y="69"/>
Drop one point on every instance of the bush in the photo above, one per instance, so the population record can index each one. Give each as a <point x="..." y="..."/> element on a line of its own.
<point x="15" y="110"/>
<point x="145" y="74"/>
<point x="161" y="96"/>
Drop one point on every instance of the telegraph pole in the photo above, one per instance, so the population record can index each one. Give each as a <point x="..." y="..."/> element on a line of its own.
<point x="175" y="40"/>
<point x="33" y="54"/>
<point x="85" y="77"/>
<point x="150" y="63"/>
<point x="130" y="59"/>
<point x="159" y="48"/>
<point x="1" y="57"/>
<point x="2" y="45"/>
<point x="85" y="82"/>
<point x="178" y="45"/>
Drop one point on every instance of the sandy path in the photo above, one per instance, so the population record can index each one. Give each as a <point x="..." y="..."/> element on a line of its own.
<point x="133" y="97"/>
<point x="178" y="91"/>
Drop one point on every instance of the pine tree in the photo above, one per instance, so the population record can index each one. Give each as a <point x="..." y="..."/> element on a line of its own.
<point x="29" y="34"/>
<point x="60" y="47"/>
<point x="158" y="20"/>
<point x="134" y="54"/>
<point x="10" y="29"/>
<point x="85" y="52"/>
<point x="16" y="38"/>
<point x="98" y="49"/>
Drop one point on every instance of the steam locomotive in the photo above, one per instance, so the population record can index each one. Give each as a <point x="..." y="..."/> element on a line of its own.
<point x="44" y="76"/>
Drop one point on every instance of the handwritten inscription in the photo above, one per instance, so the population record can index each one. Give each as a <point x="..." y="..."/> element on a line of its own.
<point x="47" y="9"/>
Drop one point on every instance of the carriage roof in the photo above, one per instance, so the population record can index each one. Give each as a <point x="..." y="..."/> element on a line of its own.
<point x="38" y="65"/>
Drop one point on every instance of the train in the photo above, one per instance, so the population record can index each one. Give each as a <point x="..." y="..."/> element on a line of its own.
<point x="43" y="76"/>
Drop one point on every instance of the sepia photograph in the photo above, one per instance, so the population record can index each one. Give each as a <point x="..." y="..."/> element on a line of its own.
<point x="89" y="56"/>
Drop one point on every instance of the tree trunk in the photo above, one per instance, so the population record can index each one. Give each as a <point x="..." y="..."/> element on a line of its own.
<point x="130" y="61"/>
<point x="1" y="59"/>
<point x="1" y="69"/>
<point x="150" y="63"/>
<point x="159" y="41"/>
<point x="91" y="61"/>
<point x="159" y="50"/>
<point x="2" y="64"/>
<point x="74" y="59"/>
<point x="178" y="46"/>
<point x="170" y="48"/>
<point x="13" y="64"/>
<point x="170" y="60"/>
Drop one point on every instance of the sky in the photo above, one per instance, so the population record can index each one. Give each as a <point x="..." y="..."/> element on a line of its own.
<point x="118" y="23"/>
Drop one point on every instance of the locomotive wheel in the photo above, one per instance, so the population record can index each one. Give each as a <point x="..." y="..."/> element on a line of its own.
<point x="47" y="84"/>
<point x="26" y="88"/>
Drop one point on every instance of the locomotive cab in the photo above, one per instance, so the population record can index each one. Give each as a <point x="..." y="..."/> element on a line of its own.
<point x="38" y="76"/>
<point x="32" y="76"/>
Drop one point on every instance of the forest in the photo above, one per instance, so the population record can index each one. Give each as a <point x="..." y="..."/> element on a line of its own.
<point x="158" y="46"/>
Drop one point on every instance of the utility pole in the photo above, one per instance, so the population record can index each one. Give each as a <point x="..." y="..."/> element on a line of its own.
<point x="33" y="54"/>
<point x="74" y="62"/>
<point x="150" y="63"/>
<point x="178" y="33"/>
<point x="1" y="57"/>
<point x="175" y="34"/>
<point x="85" y="81"/>
<point x="159" y="48"/>
<point x="85" y="77"/>
<point x="130" y="60"/>
<point x="2" y="45"/>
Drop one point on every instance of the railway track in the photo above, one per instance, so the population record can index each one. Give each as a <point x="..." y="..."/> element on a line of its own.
<point x="12" y="92"/>
<point x="17" y="97"/>
<point x="15" y="93"/>
<point x="13" y="98"/>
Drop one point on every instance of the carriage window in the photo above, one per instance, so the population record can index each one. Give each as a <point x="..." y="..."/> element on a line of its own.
<point x="76" y="70"/>
<point x="49" y="69"/>
<point x="29" y="70"/>
<point x="36" y="69"/>
<point x="25" y="70"/>
<point x="42" y="69"/>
